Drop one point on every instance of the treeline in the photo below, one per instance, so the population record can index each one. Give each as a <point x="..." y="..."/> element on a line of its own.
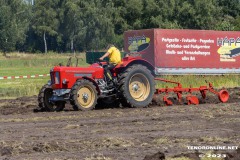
<point x="68" y="25"/>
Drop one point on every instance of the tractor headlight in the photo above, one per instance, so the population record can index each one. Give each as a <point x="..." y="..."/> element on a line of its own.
<point x="65" y="81"/>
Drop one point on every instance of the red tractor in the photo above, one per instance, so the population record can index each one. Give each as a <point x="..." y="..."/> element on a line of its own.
<point x="133" y="84"/>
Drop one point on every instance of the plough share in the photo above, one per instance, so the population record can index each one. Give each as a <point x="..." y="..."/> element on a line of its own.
<point x="223" y="95"/>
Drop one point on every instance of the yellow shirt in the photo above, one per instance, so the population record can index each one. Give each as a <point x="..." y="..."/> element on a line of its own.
<point x="114" y="56"/>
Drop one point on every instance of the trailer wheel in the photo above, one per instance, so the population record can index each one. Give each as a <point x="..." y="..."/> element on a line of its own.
<point x="44" y="95"/>
<point x="137" y="85"/>
<point x="83" y="95"/>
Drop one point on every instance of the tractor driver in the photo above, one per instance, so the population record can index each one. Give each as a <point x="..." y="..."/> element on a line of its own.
<point x="114" y="59"/>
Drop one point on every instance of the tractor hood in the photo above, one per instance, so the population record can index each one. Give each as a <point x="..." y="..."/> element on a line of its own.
<point x="65" y="77"/>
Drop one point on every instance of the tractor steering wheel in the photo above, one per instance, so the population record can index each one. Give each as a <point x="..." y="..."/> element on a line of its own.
<point x="100" y="62"/>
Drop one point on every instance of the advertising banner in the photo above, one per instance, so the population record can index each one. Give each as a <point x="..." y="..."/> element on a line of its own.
<point x="187" y="51"/>
<point x="140" y="43"/>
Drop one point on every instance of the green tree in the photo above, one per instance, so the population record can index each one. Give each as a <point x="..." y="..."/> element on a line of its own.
<point x="14" y="21"/>
<point x="160" y="14"/>
<point x="237" y="23"/>
<point x="230" y="8"/>
<point x="98" y="21"/>
<point x="46" y="21"/>
<point x="230" y="13"/>
<point x="87" y="24"/>
<point x="7" y="40"/>
<point x="74" y="29"/>
<point x="226" y="23"/>
<point x="61" y="25"/>
<point x="198" y="14"/>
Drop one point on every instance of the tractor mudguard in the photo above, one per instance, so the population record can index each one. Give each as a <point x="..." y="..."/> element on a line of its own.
<point x="93" y="81"/>
<point x="129" y="61"/>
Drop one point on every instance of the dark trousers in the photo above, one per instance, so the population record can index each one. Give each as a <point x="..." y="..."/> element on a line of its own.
<point x="107" y="71"/>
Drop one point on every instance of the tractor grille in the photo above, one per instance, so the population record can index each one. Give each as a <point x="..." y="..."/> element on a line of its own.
<point x="57" y="78"/>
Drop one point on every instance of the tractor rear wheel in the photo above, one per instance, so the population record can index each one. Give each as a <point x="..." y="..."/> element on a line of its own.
<point x="83" y="95"/>
<point x="137" y="86"/>
<point x="44" y="95"/>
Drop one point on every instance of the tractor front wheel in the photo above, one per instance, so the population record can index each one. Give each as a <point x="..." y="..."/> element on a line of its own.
<point x="44" y="95"/>
<point x="83" y="95"/>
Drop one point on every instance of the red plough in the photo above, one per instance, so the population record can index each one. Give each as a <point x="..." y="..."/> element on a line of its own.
<point x="223" y="95"/>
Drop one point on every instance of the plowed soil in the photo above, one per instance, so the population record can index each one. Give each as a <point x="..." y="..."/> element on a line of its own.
<point x="118" y="133"/>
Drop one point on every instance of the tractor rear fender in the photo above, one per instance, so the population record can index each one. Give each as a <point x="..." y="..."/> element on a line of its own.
<point x="142" y="62"/>
<point x="94" y="82"/>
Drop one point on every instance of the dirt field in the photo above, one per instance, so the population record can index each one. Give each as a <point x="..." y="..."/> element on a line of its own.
<point x="118" y="133"/>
